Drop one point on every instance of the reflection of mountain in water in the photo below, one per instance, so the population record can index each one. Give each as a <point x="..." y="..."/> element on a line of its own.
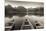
<point x="21" y="11"/>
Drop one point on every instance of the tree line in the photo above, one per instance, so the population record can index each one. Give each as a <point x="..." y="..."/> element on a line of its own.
<point x="22" y="11"/>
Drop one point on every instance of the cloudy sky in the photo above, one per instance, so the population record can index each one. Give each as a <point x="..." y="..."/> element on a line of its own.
<point x="25" y="3"/>
<point x="28" y="0"/>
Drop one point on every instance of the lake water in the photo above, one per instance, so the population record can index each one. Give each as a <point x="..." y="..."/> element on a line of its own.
<point x="19" y="20"/>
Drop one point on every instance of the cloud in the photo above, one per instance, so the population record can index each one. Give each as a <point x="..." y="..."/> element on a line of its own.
<point x="28" y="0"/>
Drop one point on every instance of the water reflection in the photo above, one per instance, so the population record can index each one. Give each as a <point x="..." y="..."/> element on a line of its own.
<point x="17" y="20"/>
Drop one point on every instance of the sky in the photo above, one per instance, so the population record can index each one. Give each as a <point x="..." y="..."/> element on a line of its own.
<point x="28" y="0"/>
<point x="26" y="4"/>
